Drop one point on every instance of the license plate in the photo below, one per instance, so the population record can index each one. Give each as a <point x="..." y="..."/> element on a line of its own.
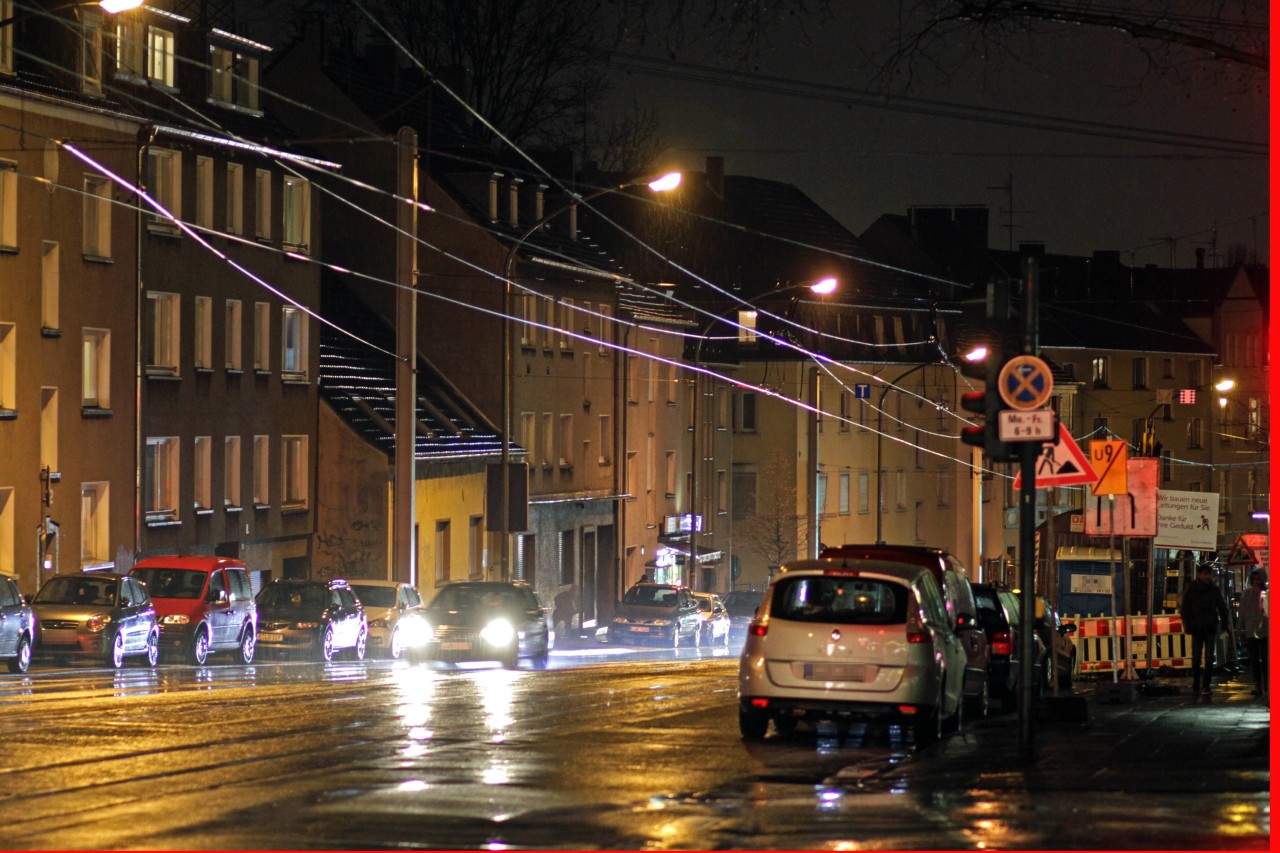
<point x="456" y="646"/>
<point x="835" y="672"/>
<point x="639" y="629"/>
<point x="271" y="637"/>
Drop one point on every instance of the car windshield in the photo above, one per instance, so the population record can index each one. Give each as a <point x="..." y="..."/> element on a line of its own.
<point x="652" y="596"/>
<point x="853" y="601"/>
<point x="465" y="597"/>
<point x="375" y="596"/>
<point x="704" y="604"/>
<point x="72" y="590"/>
<point x="741" y="603"/>
<point x="308" y="599"/>
<point x="171" y="583"/>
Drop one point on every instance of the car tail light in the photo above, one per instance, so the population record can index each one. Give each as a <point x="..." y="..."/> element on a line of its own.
<point x="759" y="703"/>
<point x="916" y="631"/>
<point x="907" y="709"/>
<point x="1002" y="643"/>
<point x="758" y="629"/>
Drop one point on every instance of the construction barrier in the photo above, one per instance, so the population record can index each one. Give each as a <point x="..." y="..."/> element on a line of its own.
<point x="1092" y="639"/>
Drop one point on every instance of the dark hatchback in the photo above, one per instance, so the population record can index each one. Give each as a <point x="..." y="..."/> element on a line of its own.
<point x="487" y="621"/>
<point x="312" y="618"/>
<point x="742" y="605"/>
<point x="17" y="626"/>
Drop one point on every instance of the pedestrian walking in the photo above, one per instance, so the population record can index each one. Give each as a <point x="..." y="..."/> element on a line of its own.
<point x="1203" y="610"/>
<point x="1254" y="628"/>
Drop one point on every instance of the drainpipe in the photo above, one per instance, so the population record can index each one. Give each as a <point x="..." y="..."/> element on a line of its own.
<point x="146" y="135"/>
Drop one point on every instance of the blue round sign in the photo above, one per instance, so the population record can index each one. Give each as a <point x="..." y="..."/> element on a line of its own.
<point x="1026" y="382"/>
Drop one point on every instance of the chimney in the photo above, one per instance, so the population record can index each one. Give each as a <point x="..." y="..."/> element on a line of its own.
<point x="513" y="202"/>
<point x="1200" y="259"/>
<point x="715" y="176"/>
<point x="493" y="195"/>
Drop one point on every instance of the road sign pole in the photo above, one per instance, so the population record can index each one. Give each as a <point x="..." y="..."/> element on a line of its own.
<point x="1029" y="451"/>
<point x="1111" y="559"/>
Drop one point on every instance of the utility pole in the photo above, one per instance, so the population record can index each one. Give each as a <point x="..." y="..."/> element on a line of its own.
<point x="1029" y="451"/>
<point x="403" y="568"/>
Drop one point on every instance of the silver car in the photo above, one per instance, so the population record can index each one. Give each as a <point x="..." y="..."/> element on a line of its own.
<point x="98" y="615"/>
<point x="852" y="638"/>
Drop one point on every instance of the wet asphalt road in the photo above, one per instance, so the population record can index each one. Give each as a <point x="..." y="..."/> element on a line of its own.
<point x="602" y="750"/>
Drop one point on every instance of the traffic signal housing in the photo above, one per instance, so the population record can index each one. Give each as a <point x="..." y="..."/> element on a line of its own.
<point x="987" y="403"/>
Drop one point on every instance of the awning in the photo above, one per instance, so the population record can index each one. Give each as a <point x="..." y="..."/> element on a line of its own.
<point x="681" y="555"/>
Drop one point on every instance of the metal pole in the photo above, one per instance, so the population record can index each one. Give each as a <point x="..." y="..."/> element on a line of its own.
<point x="1029" y="451"/>
<point x="1111" y="561"/>
<point x="403" y="567"/>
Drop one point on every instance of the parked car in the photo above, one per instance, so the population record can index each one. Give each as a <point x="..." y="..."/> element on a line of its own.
<point x="665" y="614"/>
<point x="850" y="638"/>
<point x="1002" y="671"/>
<point x="1040" y="654"/>
<point x="204" y="604"/>
<point x="17" y="626"/>
<point x="741" y="605"/>
<point x="96" y="615"/>
<point x="962" y="611"/>
<point x="1049" y="624"/>
<point x="311" y="618"/>
<point x="395" y="614"/>
<point x="487" y="621"/>
<point x="715" y="619"/>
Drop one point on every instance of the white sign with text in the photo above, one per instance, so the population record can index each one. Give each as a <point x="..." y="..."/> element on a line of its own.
<point x="1187" y="520"/>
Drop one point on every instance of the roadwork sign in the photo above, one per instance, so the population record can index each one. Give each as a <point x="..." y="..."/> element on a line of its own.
<point x="1108" y="458"/>
<point x="1061" y="464"/>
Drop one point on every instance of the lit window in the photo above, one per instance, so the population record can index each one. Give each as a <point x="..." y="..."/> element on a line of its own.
<point x="200" y="472"/>
<point x="95" y="540"/>
<point x="844" y="492"/>
<point x="162" y="478"/>
<point x="235" y="198"/>
<point x="96" y="382"/>
<point x="162" y="328"/>
<point x="261" y="468"/>
<point x="160" y="55"/>
<point x="6" y="38"/>
<point x="97" y="217"/>
<point x="164" y="185"/>
<point x="130" y="48"/>
<point x="90" y="53"/>
<point x="747" y="327"/>
<point x="202" y="330"/>
<point x="231" y="472"/>
<point x="296" y="202"/>
<point x="8" y="204"/>
<point x="262" y="204"/>
<point x="294" y="342"/>
<point x="293" y="461"/>
<point x="8" y="366"/>
<point x="247" y="81"/>
<point x="204" y="192"/>
<point x="221" y="67"/>
<point x="261" y="336"/>
<point x="234" y="334"/>
<point x="50" y="281"/>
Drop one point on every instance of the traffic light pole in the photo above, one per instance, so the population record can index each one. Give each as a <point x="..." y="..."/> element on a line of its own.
<point x="1028" y="452"/>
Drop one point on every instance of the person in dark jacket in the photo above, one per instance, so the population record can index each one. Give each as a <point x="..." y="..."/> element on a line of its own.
<point x="1203" y="610"/>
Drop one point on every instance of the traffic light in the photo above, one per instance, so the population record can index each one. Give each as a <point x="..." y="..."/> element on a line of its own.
<point x="985" y="365"/>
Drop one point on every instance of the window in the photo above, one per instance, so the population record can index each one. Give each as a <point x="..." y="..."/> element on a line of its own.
<point x="1195" y="434"/>
<point x="1195" y="372"/>
<point x="845" y="417"/>
<point x="528" y="313"/>
<point x="548" y="438"/>
<point x="920" y="521"/>
<point x="204" y="192"/>
<point x="845" y="478"/>
<point x="90" y="53"/>
<point x="1101" y="427"/>
<point x="49" y="428"/>
<point x="161" y="472"/>
<point x="565" y="326"/>
<point x="820" y="501"/>
<point x="261" y="469"/>
<point x="95" y="504"/>
<point x="231" y="472"/>
<point x="7" y="565"/>
<point x="247" y="71"/>
<point x="669" y="478"/>
<point x="221" y="68"/>
<point x="1168" y="368"/>
<point x="8" y="204"/>
<point x="261" y="336"/>
<point x="946" y="485"/>
<point x="235" y="198"/>
<point x="8" y="366"/>
<point x="6" y="38"/>
<point x="566" y="555"/>
<point x="234" y="332"/>
<point x="526" y="558"/>
<point x="900" y="488"/>
<point x="443" y="547"/>
<point x="528" y="433"/>
<point x="864" y="492"/>
<point x="130" y="45"/>
<point x="475" y="545"/>
<point x="164" y="185"/>
<point x="293" y="461"/>
<point x="1139" y="428"/>
<point x="50" y="282"/>
<point x="566" y="441"/>
<point x="1100" y="372"/>
<point x="606" y="330"/>
<point x="747" y="327"/>
<point x="262" y="204"/>
<point x="293" y="351"/>
<point x="722" y="491"/>
<point x="201" y="475"/>
<point x="202" y="331"/>
<point x="746" y="411"/>
<point x="295" y="200"/>
<point x="744" y="492"/>
<point x="97" y="217"/>
<point x="606" y="439"/>
<point x="160" y="55"/>
<point x="96" y="379"/>
<point x="1139" y="373"/>
<point x="163" y="324"/>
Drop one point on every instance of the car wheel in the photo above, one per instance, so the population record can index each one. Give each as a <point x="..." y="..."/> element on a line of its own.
<point x="1067" y="679"/>
<point x="980" y="705"/>
<point x="752" y="724"/>
<point x="955" y="722"/>
<point x="115" y="656"/>
<point x="153" y="648"/>
<point x="248" y="645"/>
<point x="21" y="661"/>
<point x="200" y="646"/>
<point x="539" y="660"/>
<point x="362" y="643"/>
<point x="394" y="650"/>
<point x="326" y="644"/>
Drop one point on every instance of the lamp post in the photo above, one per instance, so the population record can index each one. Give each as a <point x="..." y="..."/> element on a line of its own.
<point x="822" y="287"/>
<point x="880" y="447"/>
<point x="665" y="183"/>
<point x="111" y="7"/>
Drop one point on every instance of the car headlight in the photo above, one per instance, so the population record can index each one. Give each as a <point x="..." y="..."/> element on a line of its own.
<point x="662" y="622"/>
<point x="97" y="623"/>
<point x="414" y="631"/>
<point x="175" y="619"/>
<point x="306" y="625"/>
<point x="619" y="620"/>
<point x="499" y="632"/>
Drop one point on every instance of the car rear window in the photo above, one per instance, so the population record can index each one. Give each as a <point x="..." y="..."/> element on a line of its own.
<point x="852" y="601"/>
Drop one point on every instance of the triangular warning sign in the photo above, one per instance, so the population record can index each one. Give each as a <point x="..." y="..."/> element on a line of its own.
<point x="1061" y="464"/>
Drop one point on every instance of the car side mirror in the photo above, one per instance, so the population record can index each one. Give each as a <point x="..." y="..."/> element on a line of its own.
<point x="26" y="599"/>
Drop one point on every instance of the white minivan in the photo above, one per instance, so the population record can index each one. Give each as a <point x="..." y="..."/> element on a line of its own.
<point x="852" y="638"/>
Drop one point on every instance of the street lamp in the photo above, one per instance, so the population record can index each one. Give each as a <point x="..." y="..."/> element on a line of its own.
<point x="111" y="7"/>
<point x="665" y="183"/>
<point x="822" y="287"/>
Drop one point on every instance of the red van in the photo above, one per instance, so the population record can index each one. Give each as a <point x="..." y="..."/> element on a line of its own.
<point x="203" y="604"/>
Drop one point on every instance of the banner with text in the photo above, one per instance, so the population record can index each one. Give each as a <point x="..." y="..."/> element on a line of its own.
<point x="1187" y="520"/>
